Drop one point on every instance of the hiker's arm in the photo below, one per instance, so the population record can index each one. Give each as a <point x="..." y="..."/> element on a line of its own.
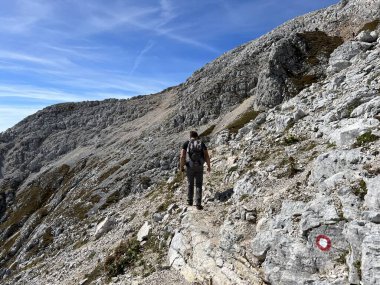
<point x="207" y="159"/>
<point x="182" y="160"/>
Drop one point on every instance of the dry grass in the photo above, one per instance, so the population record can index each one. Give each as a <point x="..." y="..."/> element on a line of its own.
<point x="370" y="26"/>
<point x="244" y="119"/>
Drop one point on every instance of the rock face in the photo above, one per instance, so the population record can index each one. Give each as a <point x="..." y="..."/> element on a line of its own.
<point x="293" y="194"/>
<point x="103" y="227"/>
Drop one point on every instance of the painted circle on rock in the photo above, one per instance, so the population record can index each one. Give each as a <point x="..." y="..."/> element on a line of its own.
<point x="323" y="242"/>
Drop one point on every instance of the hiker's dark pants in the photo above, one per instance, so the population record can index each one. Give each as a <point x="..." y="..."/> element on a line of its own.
<point x="194" y="173"/>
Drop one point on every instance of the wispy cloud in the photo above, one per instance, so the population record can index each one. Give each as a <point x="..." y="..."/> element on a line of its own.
<point x="140" y="56"/>
<point x="16" y="56"/>
<point x="31" y="92"/>
<point x="59" y="51"/>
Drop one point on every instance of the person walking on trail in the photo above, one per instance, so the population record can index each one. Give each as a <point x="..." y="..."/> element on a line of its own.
<point x="194" y="154"/>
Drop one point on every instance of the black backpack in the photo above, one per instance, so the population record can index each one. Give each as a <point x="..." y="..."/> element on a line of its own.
<point x="195" y="152"/>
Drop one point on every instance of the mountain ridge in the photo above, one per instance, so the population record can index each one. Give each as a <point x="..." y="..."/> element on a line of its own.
<point x="286" y="117"/>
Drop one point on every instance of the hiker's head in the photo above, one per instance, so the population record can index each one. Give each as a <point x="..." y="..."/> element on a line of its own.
<point x="193" y="135"/>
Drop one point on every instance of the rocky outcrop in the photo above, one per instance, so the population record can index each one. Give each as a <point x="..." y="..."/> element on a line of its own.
<point x="88" y="192"/>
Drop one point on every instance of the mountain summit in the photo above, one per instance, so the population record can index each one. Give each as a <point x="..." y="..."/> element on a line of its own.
<point x="89" y="192"/>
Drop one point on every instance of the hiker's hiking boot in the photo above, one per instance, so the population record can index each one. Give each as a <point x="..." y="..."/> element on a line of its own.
<point x="189" y="203"/>
<point x="199" y="207"/>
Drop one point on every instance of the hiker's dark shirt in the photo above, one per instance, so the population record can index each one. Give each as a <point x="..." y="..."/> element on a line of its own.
<point x="204" y="147"/>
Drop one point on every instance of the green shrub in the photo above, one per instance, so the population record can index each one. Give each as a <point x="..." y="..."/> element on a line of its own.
<point x="361" y="189"/>
<point x="353" y="105"/>
<point x="145" y="181"/>
<point x="232" y="169"/>
<point x="243" y="197"/>
<point x="289" y="140"/>
<point x="358" y="265"/>
<point x="111" y="199"/>
<point x="245" y="118"/>
<point x="108" y="173"/>
<point x="342" y="257"/>
<point x="331" y="145"/>
<point x="125" y="256"/>
<point x="365" y="138"/>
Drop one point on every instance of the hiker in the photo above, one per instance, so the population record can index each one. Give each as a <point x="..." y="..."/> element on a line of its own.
<point x="194" y="154"/>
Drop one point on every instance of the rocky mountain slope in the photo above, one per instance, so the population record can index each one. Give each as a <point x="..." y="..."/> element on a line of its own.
<point x="89" y="193"/>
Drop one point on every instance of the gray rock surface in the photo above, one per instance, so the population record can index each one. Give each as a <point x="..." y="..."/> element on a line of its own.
<point x="306" y="166"/>
<point x="103" y="227"/>
<point x="144" y="231"/>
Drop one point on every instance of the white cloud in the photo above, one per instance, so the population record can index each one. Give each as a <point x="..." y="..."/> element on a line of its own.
<point x="10" y="115"/>
<point x="140" y="56"/>
<point x="31" y="92"/>
<point x="16" y="56"/>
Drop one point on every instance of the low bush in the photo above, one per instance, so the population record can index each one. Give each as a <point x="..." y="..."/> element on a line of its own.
<point x="289" y="140"/>
<point x="370" y="26"/>
<point x="365" y="138"/>
<point x="245" y="118"/>
<point x="360" y="190"/>
<point x="126" y="254"/>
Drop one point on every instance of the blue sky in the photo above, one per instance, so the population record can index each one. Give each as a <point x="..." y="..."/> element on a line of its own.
<point x="56" y="51"/>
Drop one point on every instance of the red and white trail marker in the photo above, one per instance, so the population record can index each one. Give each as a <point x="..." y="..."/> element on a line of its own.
<point x="323" y="242"/>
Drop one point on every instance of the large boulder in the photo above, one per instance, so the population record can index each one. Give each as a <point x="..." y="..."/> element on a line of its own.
<point x="367" y="36"/>
<point x="144" y="231"/>
<point x="104" y="227"/>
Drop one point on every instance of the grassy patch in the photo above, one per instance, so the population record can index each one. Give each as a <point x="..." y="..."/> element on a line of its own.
<point x="168" y="200"/>
<point x="32" y="264"/>
<point x="303" y="81"/>
<point x="165" y="191"/>
<point x="309" y="146"/>
<point x="108" y="173"/>
<point x="291" y="168"/>
<point x="318" y="46"/>
<point x="342" y="257"/>
<point x="125" y="161"/>
<point x="145" y="181"/>
<point x="9" y="243"/>
<point x="31" y="200"/>
<point x="289" y="140"/>
<point x="78" y="211"/>
<point x="95" y="199"/>
<point x="208" y="131"/>
<point x="360" y="190"/>
<point x="232" y="169"/>
<point x="370" y="26"/>
<point x="111" y="199"/>
<point x="358" y="265"/>
<point x="125" y="256"/>
<point x="94" y="274"/>
<point x="318" y="43"/>
<point x="47" y="237"/>
<point x="245" y="118"/>
<point x="243" y="197"/>
<point x="353" y="105"/>
<point x="79" y="244"/>
<point x="331" y="144"/>
<point x="365" y="138"/>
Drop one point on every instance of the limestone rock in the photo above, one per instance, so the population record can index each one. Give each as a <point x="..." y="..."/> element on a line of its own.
<point x="370" y="264"/>
<point x="103" y="227"/>
<point x="367" y="36"/>
<point x="144" y="231"/>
